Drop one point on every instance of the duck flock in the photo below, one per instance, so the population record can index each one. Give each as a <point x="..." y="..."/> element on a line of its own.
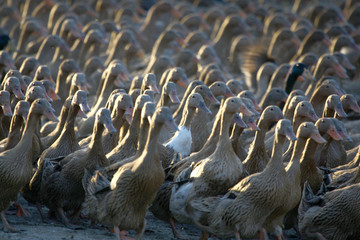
<point x="260" y="102"/>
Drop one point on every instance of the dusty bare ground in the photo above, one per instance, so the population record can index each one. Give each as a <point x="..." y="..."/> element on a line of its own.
<point x="32" y="228"/>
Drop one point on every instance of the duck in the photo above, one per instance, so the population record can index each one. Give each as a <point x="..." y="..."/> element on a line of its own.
<point x="320" y="95"/>
<point x="227" y="217"/>
<point x="5" y="110"/>
<point x="181" y="142"/>
<point x="127" y="145"/>
<point x="67" y="142"/>
<point x="63" y="189"/>
<point x="216" y="172"/>
<point x="314" y="212"/>
<point x="276" y="96"/>
<point x="294" y="98"/>
<point x="306" y="130"/>
<point x="169" y="96"/>
<point x="304" y="112"/>
<point x="112" y="76"/>
<point x="50" y="131"/>
<point x="13" y="180"/>
<point x="145" y="174"/>
<point x="29" y="66"/>
<point x="257" y="157"/>
<point x="21" y="112"/>
<point x="309" y="171"/>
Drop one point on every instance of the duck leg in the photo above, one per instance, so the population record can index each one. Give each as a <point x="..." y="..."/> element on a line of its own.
<point x="263" y="234"/>
<point x="121" y="235"/>
<point x="315" y="235"/>
<point x="237" y="235"/>
<point x="21" y="211"/>
<point x="140" y="231"/>
<point x="174" y="230"/>
<point x="65" y="221"/>
<point x="6" y="226"/>
<point x="204" y="236"/>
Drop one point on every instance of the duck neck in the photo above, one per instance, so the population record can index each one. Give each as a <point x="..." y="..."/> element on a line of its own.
<point x="151" y="147"/>
<point x="132" y="133"/>
<point x="298" y="120"/>
<point x="117" y="118"/>
<point x="277" y="151"/>
<point x="15" y="130"/>
<point x="30" y="127"/>
<point x="106" y="90"/>
<point x="164" y="100"/>
<point x="144" y="131"/>
<point x="290" y="82"/>
<point x="96" y="147"/>
<point x="63" y="116"/>
<point x="46" y="53"/>
<point x="328" y="111"/>
<point x="61" y="84"/>
<point x="293" y="167"/>
<point x="307" y="158"/>
<point x="70" y="120"/>
<point x="318" y="102"/>
<point x="187" y="116"/>
<point x="224" y="138"/>
<point x="259" y="139"/>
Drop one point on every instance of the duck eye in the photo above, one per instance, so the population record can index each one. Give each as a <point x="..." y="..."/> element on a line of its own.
<point x="218" y="84"/>
<point x="302" y="105"/>
<point x="323" y="121"/>
<point x="201" y="88"/>
<point x="271" y="109"/>
<point x="327" y="86"/>
<point x="232" y="100"/>
<point x="193" y="96"/>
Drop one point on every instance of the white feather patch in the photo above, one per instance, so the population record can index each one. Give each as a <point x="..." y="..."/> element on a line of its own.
<point x="181" y="142"/>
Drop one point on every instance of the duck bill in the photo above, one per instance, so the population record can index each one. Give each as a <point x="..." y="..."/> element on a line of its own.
<point x="183" y="83"/>
<point x="170" y="123"/>
<point x="252" y="125"/>
<point x="256" y="105"/>
<point x="128" y="118"/>
<point x="88" y="85"/>
<point x="340" y="70"/>
<point x="317" y="137"/>
<point x="246" y="111"/>
<point x="355" y="107"/>
<point x="326" y="41"/>
<point x="290" y="134"/>
<point x="84" y="107"/>
<point x="92" y="13"/>
<point x="82" y="114"/>
<point x="118" y="83"/>
<point x="174" y="97"/>
<point x="7" y="110"/>
<point x="312" y="115"/>
<point x="18" y="94"/>
<point x="23" y="86"/>
<point x="49" y="78"/>
<point x="124" y="77"/>
<point x="345" y="136"/>
<point x="340" y="110"/>
<point x="110" y="127"/>
<point x="154" y="88"/>
<point x="300" y="78"/>
<point x="347" y="65"/>
<point x="47" y="97"/>
<point x="212" y="99"/>
<point x="238" y="121"/>
<point x="53" y="95"/>
<point x="129" y="111"/>
<point x="175" y="13"/>
<point x="228" y="93"/>
<point x="50" y="115"/>
<point x="25" y="116"/>
<point x="10" y="64"/>
<point x="202" y="106"/>
<point x="334" y="134"/>
<point x="307" y="75"/>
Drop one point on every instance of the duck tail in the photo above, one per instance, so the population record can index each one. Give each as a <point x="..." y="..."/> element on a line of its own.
<point x="95" y="184"/>
<point x="43" y="171"/>
<point x="254" y="57"/>
<point x="308" y="200"/>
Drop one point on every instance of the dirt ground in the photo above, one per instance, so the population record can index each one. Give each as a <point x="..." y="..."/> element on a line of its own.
<point x="32" y="228"/>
